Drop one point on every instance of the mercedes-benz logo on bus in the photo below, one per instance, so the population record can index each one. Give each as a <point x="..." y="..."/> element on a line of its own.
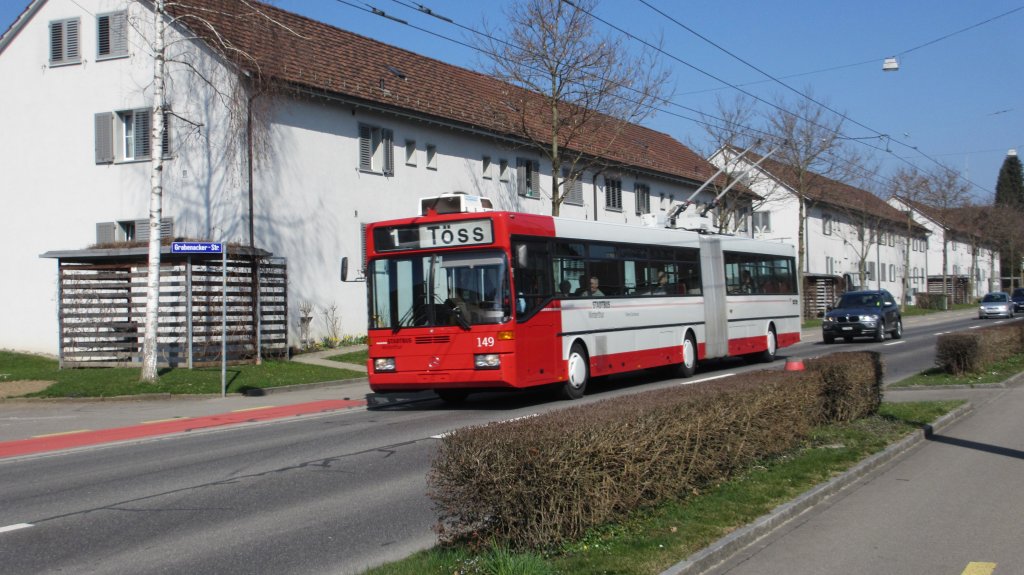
<point x="435" y="362"/>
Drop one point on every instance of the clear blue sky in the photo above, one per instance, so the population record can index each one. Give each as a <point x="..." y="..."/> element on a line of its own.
<point x="958" y="99"/>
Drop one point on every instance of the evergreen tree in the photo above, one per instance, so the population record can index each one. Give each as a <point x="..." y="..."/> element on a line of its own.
<point x="1010" y="185"/>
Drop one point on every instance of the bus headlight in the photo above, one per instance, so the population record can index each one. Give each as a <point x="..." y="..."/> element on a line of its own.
<point x="487" y="361"/>
<point x="384" y="364"/>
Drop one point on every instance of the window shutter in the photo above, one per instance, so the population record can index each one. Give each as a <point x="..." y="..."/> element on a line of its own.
<point x="104" y="138"/>
<point x="167" y="228"/>
<point x="365" y="151"/>
<point x="56" y="42"/>
<point x="142" y="230"/>
<point x="141" y="132"/>
<point x="387" y="141"/>
<point x="534" y="190"/>
<point x="103" y="35"/>
<point x="112" y="34"/>
<point x="521" y="187"/>
<point x="105" y="232"/>
<point x="165" y="137"/>
<point x="71" y="41"/>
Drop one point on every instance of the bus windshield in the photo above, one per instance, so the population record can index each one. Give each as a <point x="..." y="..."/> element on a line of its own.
<point x="439" y="289"/>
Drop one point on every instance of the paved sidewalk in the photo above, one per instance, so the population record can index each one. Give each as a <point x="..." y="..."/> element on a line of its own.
<point x="320" y="358"/>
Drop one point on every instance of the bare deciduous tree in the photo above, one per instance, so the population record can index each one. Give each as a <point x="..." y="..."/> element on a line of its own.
<point x="234" y="91"/>
<point x="811" y="141"/>
<point x="946" y="189"/>
<point x="577" y="89"/>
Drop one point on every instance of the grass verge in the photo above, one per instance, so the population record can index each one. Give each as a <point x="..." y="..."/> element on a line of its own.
<point x="936" y="377"/>
<point x="109" y="382"/>
<point x="654" y="539"/>
<point x="356" y="357"/>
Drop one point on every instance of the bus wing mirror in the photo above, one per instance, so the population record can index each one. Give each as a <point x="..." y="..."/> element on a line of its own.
<point x="521" y="256"/>
<point x="344" y="272"/>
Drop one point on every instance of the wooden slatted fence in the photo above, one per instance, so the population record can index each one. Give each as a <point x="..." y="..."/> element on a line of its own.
<point x="103" y="305"/>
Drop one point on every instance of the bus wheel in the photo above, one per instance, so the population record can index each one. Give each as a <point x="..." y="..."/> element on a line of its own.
<point x="578" y="372"/>
<point x="452" y="395"/>
<point x="768" y="355"/>
<point x="689" y="365"/>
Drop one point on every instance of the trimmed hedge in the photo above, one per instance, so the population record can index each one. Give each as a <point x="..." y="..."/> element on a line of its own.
<point x="535" y="483"/>
<point x="960" y="353"/>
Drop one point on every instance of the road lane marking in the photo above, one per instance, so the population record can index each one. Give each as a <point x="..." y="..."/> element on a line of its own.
<point x="691" y="382"/>
<point x="62" y="433"/>
<point x="251" y="408"/>
<point x="979" y="568"/>
<point x="15" y="527"/>
<point x="162" y="420"/>
<point x="895" y="343"/>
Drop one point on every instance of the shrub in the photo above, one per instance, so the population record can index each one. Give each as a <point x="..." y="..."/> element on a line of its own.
<point x="960" y="353"/>
<point x="537" y="482"/>
<point x="851" y="385"/>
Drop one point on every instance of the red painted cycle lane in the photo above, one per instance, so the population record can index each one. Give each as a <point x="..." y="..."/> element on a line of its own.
<point x="70" y="440"/>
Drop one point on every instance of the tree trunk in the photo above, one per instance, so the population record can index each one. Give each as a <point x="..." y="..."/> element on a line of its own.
<point x="149" y="346"/>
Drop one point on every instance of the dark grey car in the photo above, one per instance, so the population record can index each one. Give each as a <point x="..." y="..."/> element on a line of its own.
<point x="868" y="313"/>
<point x="1018" y="299"/>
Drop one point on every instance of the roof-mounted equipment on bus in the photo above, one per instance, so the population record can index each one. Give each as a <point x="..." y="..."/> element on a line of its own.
<point x="455" y="203"/>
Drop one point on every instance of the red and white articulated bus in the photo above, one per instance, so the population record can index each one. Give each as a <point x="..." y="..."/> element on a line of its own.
<point x="482" y="300"/>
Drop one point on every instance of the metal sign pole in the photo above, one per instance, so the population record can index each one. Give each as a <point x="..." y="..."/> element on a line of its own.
<point x="224" y="321"/>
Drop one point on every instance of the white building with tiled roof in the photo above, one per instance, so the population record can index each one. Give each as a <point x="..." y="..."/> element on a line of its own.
<point x="351" y="131"/>
<point x="846" y="230"/>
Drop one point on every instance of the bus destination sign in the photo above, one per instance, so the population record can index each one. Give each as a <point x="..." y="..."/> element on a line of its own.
<point x="434" y="235"/>
<point x="455" y="234"/>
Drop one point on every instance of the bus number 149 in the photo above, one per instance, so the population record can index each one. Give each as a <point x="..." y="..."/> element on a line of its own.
<point x="485" y="342"/>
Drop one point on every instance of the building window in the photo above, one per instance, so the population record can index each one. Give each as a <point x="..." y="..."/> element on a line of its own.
<point x="410" y="153"/>
<point x="131" y="231"/>
<point x="762" y="222"/>
<point x="112" y="35"/>
<point x="572" y="186"/>
<point x="826" y="224"/>
<point x="431" y="157"/>
<point x="376" y="150"/>
<point x="613" y="194"/>
<point x="64" y="42"/>
<point x="643" y="198"/>
<point x="881" y="272"/>
<point x="503" y="170"/>
<point x="892" y="272"/>
<point x="871" y="271"/>
<point x="125" y="136"/>
<point x="526" y="178"/>
<point x="830" y="265"/>
<point x="485" y="167"/>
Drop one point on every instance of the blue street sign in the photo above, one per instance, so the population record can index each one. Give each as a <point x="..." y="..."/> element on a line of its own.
<point x="196" y="247"/>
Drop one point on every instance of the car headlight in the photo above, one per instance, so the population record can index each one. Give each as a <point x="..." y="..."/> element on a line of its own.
<point x="384" y="364"/>
<point x="869" y="317"/>
<point x="487" y="361"/>
<point x="829" y="319"/>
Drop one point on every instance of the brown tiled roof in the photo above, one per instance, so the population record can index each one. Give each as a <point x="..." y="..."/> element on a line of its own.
<point x="820" y="189"/>
<point x="319" y="57"/>
<point x="968" y="220"/>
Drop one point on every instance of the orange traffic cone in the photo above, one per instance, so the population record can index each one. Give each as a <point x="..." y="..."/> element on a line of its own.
<point x="794" y="365"/>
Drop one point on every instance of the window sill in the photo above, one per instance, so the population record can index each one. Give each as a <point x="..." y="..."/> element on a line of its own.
<point x="63" y="64"/>
<point x="611" y="209"/>
<point x="112" y="57"/>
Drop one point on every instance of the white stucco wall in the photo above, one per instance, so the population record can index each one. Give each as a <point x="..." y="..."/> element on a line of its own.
<point x="310" y="199"/>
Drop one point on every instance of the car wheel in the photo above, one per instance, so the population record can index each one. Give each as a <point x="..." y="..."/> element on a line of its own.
<point x="829" y="339"/>
<point x="847" y="338"/>
<point x="897" y="332"/>
<point x="880" y="332"/>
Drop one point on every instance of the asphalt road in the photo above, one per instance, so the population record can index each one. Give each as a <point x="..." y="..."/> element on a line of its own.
<point x="331" y="493"/>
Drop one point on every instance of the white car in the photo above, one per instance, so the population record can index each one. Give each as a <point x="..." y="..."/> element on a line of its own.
<point x="996" y="304"/>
